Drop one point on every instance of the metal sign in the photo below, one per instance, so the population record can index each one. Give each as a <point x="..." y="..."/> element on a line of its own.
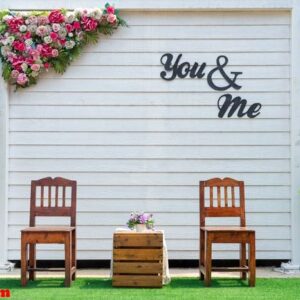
<point x="227" y="104"/>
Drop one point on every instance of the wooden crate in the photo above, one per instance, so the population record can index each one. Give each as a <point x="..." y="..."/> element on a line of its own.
<point x="138" y="259"/>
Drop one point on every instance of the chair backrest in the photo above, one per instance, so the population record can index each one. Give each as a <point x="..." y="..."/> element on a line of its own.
<point x="53" y="197"/>
<point x="222" y="198"/>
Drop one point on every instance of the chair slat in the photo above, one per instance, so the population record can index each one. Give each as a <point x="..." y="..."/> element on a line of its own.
<point x="42" y="196"/>
<point x="56" y="196"/>
<point x="232" y="196"/>
<point x="225" y="196"/>
<point x="49" y="196"/>
<point x="64" y="197"/>
<point x="219" y="196"/>
<point x="211" y="196"/>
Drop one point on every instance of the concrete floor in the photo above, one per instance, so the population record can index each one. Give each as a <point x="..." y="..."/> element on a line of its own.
<point x="266" y="272"/>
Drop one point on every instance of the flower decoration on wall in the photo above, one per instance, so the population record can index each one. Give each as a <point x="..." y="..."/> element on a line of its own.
<point x="31" y="43"/>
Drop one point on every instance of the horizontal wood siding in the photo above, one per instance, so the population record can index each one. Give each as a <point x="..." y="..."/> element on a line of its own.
<point x="136" y="142"/>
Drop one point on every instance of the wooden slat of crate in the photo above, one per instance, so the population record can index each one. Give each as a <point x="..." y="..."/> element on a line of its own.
<point x="137" y="268"/>
<point x="137" y="281"/>
<point x="144" y="240"/>
<point x="137" y="254"/>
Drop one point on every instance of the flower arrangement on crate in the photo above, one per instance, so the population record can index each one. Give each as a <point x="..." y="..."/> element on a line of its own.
<point x="140" y="221"/>
<point x="32" y="42"/>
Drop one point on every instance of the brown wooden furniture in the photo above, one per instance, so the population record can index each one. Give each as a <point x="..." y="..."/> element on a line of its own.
<point x="225" y="204"/>
<point x="138" y="259"/>
<point x="60" y="201"/>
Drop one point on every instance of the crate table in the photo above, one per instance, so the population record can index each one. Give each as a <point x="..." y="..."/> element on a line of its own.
<point x="138" y="259"/>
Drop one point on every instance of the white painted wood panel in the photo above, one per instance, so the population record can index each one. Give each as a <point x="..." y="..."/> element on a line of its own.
<point x="136" y="142"/>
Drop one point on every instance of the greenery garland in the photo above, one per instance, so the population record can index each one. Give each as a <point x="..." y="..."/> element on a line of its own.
<point x="31" y="43"/>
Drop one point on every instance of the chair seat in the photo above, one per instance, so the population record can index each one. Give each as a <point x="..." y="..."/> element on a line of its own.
<point x="226" y="229"/>
<point x="49" y="229"/>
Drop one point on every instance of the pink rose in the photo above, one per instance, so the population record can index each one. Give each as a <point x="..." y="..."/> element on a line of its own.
<point x="19" y="46"/>
<point x="89" y="24"/>
<point x="54" y="53"/>
<point x="69" y="27"/>
<point x="46" y="65"/>
<point x="35" y="54"/>
<point x="14" y="74"/>
<point x="111" y="18"/>
<point x="110" y="10"/>
<point x="22" y="79"/>
<point x="35" y="67"/>
<point x="76" y="25"/>
<point x="43" y="20"/>
<point x="54" y="36"/>
<point x="56" y="17"/>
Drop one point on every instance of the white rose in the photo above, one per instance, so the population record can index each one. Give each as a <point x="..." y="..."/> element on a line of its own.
<point x="24" y="67"/>
<point x="56" y="27"/>
<point x="62" y="33"/>
<point x="70" y="17"/>
<point x="70" y="34"/>
<point x="34" y="74"/>
<point x="97" y="13"/>
<point x="70" y="44"/>
<point x="47" y="39"/>
<point x="10" y="39"/>
<point x="28" y="42"/>
<point x="5" y="50"/>
<point x="7" y="17"/>
<point x="32" y="28"/>
<point x="23" y="28"/>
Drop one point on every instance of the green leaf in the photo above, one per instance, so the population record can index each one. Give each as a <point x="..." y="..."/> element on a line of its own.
<point x="2" y="28"/>
<point x="91" y="37"/>
<point x="6" y="71"/>
<point x="61" y="62"/>
<point x="106" y="29"/>
<point x="3" y="13"/>
<point x="107" y="5"/>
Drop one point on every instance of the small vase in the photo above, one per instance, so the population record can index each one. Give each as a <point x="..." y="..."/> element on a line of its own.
<point x="140" y="227"/>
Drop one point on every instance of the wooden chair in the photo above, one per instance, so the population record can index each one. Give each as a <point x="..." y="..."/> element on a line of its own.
<point x="226" y="206"/>
<point x="54" y="205"/>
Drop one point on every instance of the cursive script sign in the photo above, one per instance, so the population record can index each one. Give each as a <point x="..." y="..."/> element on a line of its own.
<point x="173" y="68"/>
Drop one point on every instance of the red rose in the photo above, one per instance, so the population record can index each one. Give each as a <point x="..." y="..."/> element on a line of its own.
<point x="15" y="23"/>
<point x="27" y="35"/>
<point x="54" y="36"/>
<point x="69" y="27"/>
<point x="19" y="46"/>
<point x="56" y="17"/>
<point x="46" y="65"/>
<point x="46" y="51"/>
<point x="89" y="24"/>
<point x="110" y="10"/>
<point x="76" y="25"/>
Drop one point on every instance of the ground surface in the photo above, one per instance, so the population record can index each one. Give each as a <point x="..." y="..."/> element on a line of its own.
<point x="180" y="288"/>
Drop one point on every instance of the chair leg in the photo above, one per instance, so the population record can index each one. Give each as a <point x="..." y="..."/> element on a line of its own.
<point x="208" y="255"/>
<point x="201" y="262"/>
<point x="32" y="260"/>
<point x="68" y="259"/>
<point x="74" y="261"/>
<point x="243" y="261"/>
<point x="23" y="261"/>
<point x="252" y="262"/>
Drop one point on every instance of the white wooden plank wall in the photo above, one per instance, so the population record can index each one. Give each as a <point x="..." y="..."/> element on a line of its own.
<point x="136" y="142"/>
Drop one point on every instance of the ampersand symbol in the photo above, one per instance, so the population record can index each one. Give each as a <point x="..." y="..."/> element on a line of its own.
<point x="220" y="67"/>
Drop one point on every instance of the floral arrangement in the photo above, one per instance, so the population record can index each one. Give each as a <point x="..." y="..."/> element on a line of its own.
<point x="31" y="43"/>
<point x="140" y="218"/>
